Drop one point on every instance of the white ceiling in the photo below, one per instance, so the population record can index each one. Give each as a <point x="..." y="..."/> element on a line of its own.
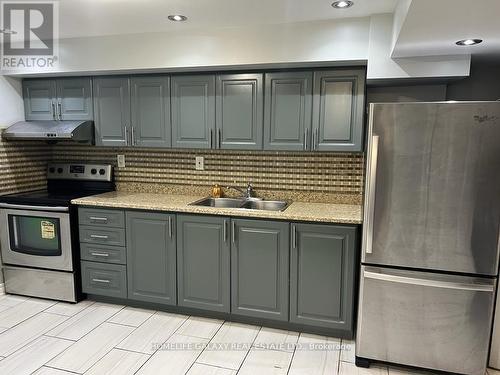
<point x="84" y="18"/>
<point x="431" y="28"/>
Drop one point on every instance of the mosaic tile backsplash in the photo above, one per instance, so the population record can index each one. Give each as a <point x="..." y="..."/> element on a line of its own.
<point x="326" y="173"/>
<point x="23" y="165"/>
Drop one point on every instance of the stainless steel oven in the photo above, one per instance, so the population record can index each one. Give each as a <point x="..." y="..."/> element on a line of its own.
<point x="36" y="236"/>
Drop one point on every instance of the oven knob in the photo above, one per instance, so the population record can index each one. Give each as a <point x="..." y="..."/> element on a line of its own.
<point x="52" y="170"/>
<point x="93" y="171"/>
<point x="59" y="170"/>
<point x="102" y="171"/>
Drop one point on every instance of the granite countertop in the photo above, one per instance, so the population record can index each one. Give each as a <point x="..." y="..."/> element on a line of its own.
<point x="300" y="211"/>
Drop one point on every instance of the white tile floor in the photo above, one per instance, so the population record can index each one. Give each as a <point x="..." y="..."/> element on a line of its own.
<point x="48" y="338"/>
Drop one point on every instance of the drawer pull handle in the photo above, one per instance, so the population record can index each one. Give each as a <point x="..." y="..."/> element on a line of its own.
<point x="101" y="281"/>
<point x="100" y="255"/>
<point x="99" y="236"/>
<point x="95" y="218"/>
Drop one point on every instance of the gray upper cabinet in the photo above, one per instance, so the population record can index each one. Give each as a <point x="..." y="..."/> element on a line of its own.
<point x="193" y="111"/>
<point x="322" y="275"/>
<point x="112" y="111"/>
<point x="239" y="111"/>
<point x="58" y="99"/>
<point x="287" y="111"/>
<point x="150" y="124"/>
<point x="260" y="268"/>
<point x="151" y="257"/>
<point x="39" y="99"/>
<point x="74" y="99"/>
<point x="203" y="253"/>
<point x="338" y="109"/>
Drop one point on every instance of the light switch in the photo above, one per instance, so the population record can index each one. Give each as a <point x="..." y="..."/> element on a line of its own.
<point x="121" y="161"/>
<point x="199" y="163"/>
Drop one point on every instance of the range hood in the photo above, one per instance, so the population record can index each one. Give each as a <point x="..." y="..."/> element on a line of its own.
<point x="79" y="131"/>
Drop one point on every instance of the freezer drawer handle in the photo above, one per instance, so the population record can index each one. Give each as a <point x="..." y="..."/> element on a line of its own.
<point x="430" y="283"/>
<point x="370" y="201"/>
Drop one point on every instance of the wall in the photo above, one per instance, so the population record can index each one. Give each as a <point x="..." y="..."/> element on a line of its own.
<point x="293" y="175"/>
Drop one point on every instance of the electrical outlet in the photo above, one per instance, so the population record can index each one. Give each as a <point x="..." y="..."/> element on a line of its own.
<point x="199" y="163"/>
<point x="121" y="161"/>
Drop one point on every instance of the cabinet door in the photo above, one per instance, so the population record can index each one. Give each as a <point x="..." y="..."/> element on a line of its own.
<point x="203" y="262"/>
<point x="322" y="275"/>
<point x="193" y="111"/>
<point x="39" y="99"/>
<point x="151" y="257"/>
<point x="112" y="111"/>
<point x="338" y="108"/>
<point x="287" y="111"/>
<point x="259" y="268"/>
<point x="239" y="117"/>
<point x="74" y="99"/>
<point x="151" y="111"/>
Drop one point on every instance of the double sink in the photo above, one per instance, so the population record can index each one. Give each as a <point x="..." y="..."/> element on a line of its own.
<point x="242" y="203"/>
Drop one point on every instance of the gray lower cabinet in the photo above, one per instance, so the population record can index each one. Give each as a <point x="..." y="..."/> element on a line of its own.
<point x="338" y="110"/>
<point x="203" y="255"/>
<point x="112" y="111"/>
<point x="287" y="111"/>
<point x="151" y="257"/>
<point x="193" y="111"/>
<point x="150" y="124"/>
<point x="74" y="99"/>
<point x="104" y="279"/>
<point x="260" y="268"/>
<point x="239" y="111"/>
<point x="322" y="275"/>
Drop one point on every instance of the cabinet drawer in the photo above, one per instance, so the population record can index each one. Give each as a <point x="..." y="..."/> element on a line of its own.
<point x="103" y="253"/>
<point x="104" y="218"/>
<point x="103" y="236"/>
<point x="104" y="279"/>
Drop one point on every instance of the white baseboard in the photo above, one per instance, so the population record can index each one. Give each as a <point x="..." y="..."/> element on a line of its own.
<point x="2" y="289"/>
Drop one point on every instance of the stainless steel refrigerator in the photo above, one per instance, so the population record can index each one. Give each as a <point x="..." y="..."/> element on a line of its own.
<point x="430" y="235"/>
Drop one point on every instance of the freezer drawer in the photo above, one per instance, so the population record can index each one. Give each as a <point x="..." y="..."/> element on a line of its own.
<point x="427" y="320"/>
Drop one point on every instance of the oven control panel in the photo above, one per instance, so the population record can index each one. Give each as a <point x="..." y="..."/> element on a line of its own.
<point x="95" y="172"/>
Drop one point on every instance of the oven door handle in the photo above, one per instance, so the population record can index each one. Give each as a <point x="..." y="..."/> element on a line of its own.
<point x="34" y="208"/>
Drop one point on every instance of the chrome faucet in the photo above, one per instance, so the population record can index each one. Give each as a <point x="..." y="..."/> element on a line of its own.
<point x="247" y="193"/>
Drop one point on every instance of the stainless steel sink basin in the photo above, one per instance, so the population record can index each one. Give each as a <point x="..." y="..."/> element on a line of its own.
<point x="265" y="205"/>
<point x="242" y="203"/>
<point x="220" y="202"/>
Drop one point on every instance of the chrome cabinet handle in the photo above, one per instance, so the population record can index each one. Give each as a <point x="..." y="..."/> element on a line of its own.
<point x="59" y="105"/>
<point x="306" y="136"/>
<point x="233" y="231"/>
<point x="211" y="136"/>
<point x="294" y="236"/>
<point x="126" y="136"/>
<point x="101" y="281"/>
<point x="100" y="236"/>
<point x="132" y="136"/>
<point x="224" y="231"/>
<point x="100" y="255"/>
<point x="371" y="179"/>
<point x="170" y="227"/>
<point x="220" y="138"/>
<point x="54" y="110"/>
<point x="95" y="218"/>
<point x="427" y="282"/>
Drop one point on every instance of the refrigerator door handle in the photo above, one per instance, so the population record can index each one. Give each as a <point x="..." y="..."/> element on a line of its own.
<point x="429" y="283"/>
<point x="370" y="197"/>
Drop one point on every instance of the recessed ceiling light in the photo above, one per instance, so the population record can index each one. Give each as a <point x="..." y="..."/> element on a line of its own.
<point x="468" y="42"/>
<point x="7" y="31"/>
<point x="342" y="4"/>
<point x="177" y="18"/>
